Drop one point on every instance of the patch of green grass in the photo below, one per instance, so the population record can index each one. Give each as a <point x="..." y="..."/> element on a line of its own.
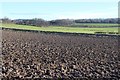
<point x="95" y="24"/>
<point x="63" y="29"/>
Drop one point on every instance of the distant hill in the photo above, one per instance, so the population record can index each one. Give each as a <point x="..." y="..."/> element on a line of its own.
<point x="59" y="22"/>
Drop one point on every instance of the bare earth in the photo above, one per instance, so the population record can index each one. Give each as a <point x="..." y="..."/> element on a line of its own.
<point x="40" y="55"/>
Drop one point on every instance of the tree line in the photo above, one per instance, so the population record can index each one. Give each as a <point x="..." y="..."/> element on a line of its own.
<point x="59" y="22"/>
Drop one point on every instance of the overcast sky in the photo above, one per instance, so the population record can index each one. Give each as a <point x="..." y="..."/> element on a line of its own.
<point x="77" y="9"/>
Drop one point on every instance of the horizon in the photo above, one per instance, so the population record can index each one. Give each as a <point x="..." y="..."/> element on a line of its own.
<point x="53" y="19"/>
<point x="59" y="10"/>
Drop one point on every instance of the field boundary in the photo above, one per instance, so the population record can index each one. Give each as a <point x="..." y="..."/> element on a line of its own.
<point x="63" y="33"/>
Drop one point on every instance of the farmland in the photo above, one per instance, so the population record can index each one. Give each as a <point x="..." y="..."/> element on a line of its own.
<point x="106" y="30"/>
<point x="95" y="25"/>
<point x="71" y="40"/>
<point x="40" y="55"/>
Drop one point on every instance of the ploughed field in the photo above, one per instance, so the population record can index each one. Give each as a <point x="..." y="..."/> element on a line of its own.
<point x="40" y="55"/>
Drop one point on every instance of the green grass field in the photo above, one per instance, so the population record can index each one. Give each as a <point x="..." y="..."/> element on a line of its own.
<point x="95" y="24"/>
<point x="62" y="29"/>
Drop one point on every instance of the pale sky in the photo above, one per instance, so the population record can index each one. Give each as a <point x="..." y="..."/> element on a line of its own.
<point x="59" y="9"/>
